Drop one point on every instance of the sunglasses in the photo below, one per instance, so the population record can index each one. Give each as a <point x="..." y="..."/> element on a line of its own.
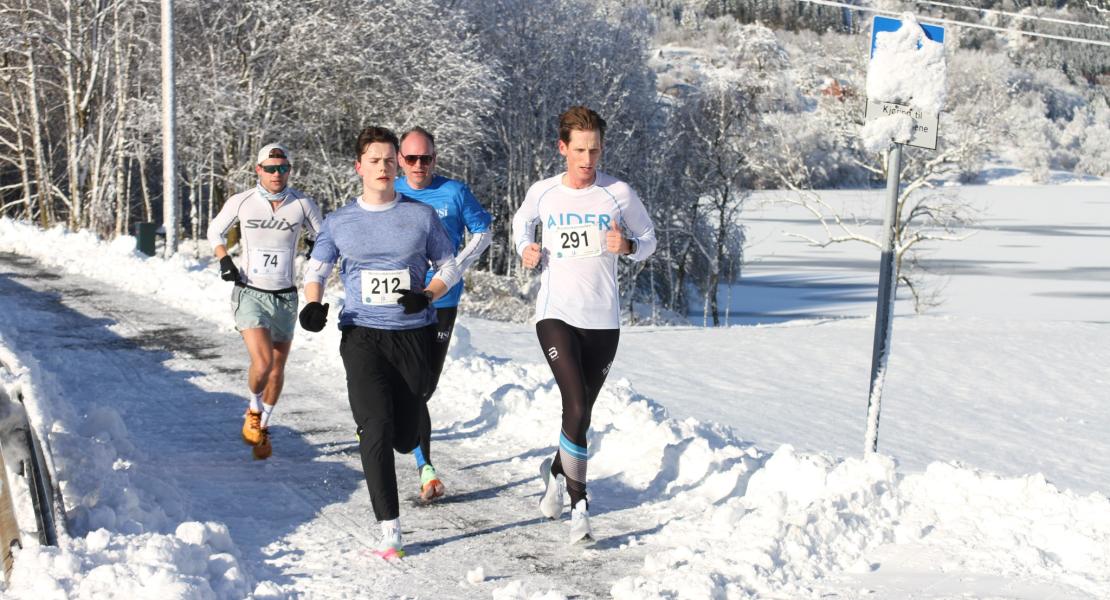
<point x="283" y="169"/>
<point x="423" y="159"/>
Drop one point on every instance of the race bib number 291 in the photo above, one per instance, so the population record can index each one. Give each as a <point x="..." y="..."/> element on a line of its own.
<point x="574" y="241"/>
<point x="380" y="287"/>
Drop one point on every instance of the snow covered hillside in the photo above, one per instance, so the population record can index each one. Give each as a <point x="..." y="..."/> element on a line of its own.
<point x="725" y="463"/>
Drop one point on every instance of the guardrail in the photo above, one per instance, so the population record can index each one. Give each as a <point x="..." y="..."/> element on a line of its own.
<point x="9" y="527"/>
<point x="21" y="449"/>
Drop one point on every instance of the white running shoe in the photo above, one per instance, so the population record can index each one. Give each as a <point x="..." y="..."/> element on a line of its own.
<point x="390" y="547"/>
<point x="551" y="505"/>
<point x="580" y="532"/>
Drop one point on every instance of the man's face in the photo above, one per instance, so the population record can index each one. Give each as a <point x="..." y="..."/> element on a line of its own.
<point x="583" y="152"/>
<point x="418" y="160"/>
<point x="276" y="181"/>
<point x="377" y="167"/>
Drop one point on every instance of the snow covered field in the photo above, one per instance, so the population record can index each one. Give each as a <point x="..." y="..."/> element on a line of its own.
<point x="724" y="463"/>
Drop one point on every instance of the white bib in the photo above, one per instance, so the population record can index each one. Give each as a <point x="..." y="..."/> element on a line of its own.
<point x="574" y="241"/>
<point x="380" y="287"/>
<point x="269" y="262"/>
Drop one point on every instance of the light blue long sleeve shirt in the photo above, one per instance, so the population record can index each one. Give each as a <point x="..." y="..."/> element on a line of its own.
<point x="377" y="251"/>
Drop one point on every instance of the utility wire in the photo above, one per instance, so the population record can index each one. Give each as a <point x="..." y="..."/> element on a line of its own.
<point x="1014" y="15"/>
<point x="959" y="23"/>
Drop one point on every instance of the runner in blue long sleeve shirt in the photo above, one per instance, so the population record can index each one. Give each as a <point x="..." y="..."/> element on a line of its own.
<point x="460" y="212"/>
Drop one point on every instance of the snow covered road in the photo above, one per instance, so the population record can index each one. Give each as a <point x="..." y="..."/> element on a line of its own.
<point x="301" y="520"/>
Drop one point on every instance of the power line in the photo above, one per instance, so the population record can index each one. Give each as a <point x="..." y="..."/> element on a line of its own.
<point x="1014" y="15"/>
<point x="960" y="23"/>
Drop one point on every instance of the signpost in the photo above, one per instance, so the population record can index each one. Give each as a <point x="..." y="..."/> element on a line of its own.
<point x="924" y="136"/>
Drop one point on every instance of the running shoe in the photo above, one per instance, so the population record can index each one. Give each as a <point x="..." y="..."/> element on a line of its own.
<point x="390" y="547"/>
<point x="580" y="524"/>
<point x="430" y="485"/>
<point x="262" y="450"/>
<point x="551" y="504"/>
<point x="252" y="427"/>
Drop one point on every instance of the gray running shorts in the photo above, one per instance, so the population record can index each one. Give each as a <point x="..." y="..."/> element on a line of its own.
<point x="255" y="309"/>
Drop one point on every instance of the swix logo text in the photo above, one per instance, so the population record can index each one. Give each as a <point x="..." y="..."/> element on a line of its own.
<point x="281" y="225"/>
<point x="553" y="353"/>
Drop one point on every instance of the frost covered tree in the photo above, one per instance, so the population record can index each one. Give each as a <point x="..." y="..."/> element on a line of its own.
<point x="68" y="73"/>
<point x="716" y="121"/>
<point x="79" y="91"/>
<point x="925" y="213"/>
<point x="719" y="120"/>
<point x="313" y="74"/>
<point x="551" y="56"/>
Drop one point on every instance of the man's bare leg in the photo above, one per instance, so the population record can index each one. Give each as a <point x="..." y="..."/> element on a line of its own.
<point x="275" y="381"/>
<point x="261" y="352"/>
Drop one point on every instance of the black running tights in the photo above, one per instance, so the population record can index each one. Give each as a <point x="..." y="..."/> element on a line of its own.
<point x="580" y="360"/>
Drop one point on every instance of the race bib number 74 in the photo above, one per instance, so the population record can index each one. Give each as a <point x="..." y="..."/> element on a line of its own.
<point x="380" y="287"/>
<point x="269" y="261"/>
<point x="574" y="241"/>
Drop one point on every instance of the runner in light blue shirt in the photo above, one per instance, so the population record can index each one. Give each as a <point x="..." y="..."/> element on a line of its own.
<point x="385" y="244"/>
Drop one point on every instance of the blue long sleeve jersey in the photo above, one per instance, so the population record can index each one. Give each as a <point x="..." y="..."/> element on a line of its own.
<point x="460" y="212"/>
<point x="381" y="249"/>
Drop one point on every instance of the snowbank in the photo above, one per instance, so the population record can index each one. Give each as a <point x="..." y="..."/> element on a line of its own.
<point x="130" y="541"/>
<point x="741" y="522"/>
<point x="806" y="517"/>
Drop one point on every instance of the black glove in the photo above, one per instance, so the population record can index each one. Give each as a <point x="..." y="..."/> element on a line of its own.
<point x="414" y="302"/>
<point x="228" y="270"/>
<point x="314" y="315"/>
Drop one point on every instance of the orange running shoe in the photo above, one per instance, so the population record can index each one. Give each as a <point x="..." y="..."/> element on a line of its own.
<point x="252" y="428"/>
<point x="262" y="450"/>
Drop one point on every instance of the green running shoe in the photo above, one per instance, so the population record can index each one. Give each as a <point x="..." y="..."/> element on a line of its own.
<point x="430" y="485"/>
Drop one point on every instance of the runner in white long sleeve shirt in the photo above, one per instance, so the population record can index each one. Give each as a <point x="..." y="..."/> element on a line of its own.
<point x="271" y="218"/>
<point x="588" y="219"/>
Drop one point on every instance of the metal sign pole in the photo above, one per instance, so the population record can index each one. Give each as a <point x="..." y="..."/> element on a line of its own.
<point x="884" y="310"/>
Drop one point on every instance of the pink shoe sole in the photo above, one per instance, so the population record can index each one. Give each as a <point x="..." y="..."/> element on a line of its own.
<point x="389" y="554"/>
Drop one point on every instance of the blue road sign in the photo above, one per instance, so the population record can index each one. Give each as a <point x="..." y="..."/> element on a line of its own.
<point x="883" y="24"/>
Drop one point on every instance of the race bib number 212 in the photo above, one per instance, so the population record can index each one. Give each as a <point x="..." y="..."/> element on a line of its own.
<point x="380" y="287"/>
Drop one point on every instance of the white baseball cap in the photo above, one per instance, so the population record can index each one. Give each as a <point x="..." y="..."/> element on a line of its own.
<point x="274" y="151"/>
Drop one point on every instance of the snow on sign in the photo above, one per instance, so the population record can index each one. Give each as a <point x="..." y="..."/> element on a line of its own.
<point x="924" y="132"/>
<point x="906" y="83"/>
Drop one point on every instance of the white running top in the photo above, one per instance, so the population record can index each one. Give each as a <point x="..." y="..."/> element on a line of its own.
<point x="269" y="237"/>
<point x="581" y="290"/>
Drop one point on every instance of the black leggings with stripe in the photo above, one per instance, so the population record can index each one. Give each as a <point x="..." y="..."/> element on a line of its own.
<point x="580" y="360"/>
